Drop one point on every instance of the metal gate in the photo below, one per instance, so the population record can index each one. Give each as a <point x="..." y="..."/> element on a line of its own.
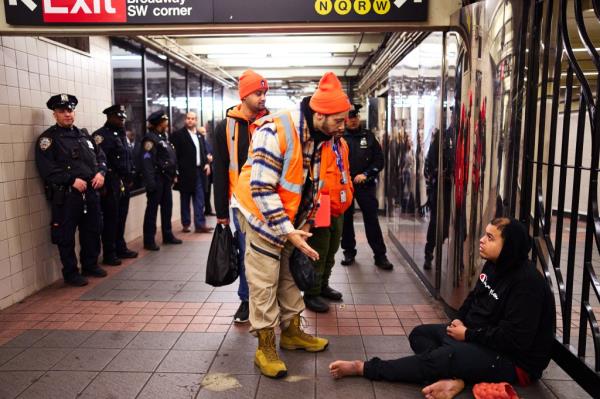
<point x="558" y="120"/>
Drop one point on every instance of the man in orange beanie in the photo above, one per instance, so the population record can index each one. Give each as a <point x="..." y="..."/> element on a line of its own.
<point x="232" y="138"/>
<point x="276" y="197"/>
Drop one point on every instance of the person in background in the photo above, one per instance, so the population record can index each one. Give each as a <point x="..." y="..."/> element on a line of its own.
<point x="110" y="139"/>
<point x="131" y="146"/>
<point x="335" y="175"/>
<point x="366" y="161"/>
<point x="208" y="211"/>
<point x="193" y="168"/>
<point x="73" y="168"/>
<point x="232" y="138"/>
<point x="504" y="331"/>
<point x="159" y="172"/>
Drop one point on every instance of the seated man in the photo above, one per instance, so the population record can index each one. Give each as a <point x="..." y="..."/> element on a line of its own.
<point x="504" y="332"/>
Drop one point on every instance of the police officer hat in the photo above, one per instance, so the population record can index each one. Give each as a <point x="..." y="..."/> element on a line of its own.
<point x="117" y="109"/>
<point x="62" y="101"/>
<point x="353" y="113"/>
<point x="157" y="117"/>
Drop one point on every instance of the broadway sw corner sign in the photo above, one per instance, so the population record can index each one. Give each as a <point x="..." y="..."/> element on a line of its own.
<point x="151" y="12"/>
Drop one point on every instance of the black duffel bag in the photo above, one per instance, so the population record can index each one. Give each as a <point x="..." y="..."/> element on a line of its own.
<point x="222" y="264"/>
<point x="302" y="270"/>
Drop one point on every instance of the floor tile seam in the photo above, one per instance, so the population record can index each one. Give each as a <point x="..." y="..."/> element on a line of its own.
<point x="22" y="349"/>
<point x="48" y="371"/>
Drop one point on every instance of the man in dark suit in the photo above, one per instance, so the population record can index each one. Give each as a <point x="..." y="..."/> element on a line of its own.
<point x="193" y="166"/>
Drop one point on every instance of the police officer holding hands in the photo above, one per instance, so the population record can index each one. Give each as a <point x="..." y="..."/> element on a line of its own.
<point x="159" y="172"/>
<point x="110" y="139"/>
<point x="73" y="168"/>
<point x="366" y="161"/>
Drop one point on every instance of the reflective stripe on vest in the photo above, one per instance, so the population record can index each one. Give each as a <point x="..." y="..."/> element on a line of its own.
<point x="289" y="138"/>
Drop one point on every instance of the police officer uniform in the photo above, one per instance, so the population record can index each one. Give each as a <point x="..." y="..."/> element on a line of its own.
<point x="110" y="139"/>
<point x="159" y="170"/>
<point x="366" y="157"/>
<point x="122" y="251"/>
<point x="64" y="154"/>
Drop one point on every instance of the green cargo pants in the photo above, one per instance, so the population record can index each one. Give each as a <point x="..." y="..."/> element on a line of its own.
<point x="326" y="241"/>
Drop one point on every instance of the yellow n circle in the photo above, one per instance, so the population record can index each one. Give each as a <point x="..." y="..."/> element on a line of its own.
<point x="323" y="7"/>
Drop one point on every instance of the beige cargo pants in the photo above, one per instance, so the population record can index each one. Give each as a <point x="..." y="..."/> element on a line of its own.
<point x="274" y="297"/>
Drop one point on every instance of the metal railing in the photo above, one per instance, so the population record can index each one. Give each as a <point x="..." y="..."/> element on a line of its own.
<point x="559" y="172"/>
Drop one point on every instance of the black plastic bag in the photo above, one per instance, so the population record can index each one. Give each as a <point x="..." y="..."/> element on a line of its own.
<point x="222" y="264"/>
<point x="302" y="270"/>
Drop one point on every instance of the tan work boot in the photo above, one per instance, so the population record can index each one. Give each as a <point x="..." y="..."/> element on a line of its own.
<point x="294" y="338"/>
<point x="266" y="357"/>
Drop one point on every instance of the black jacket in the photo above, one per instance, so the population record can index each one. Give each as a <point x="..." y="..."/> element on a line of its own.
<point x="186" y="160"/>
<point x="110" y="139"/>
<point x="220" y="162"/>
<point x="65" y="154"/>
<point x="366" y="155"/>
<point x="511" y="309"/>
<point x="157" y="158"/>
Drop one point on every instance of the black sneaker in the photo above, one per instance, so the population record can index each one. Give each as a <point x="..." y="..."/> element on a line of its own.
<point x="94" y="272"/>
<point x="111" y="261"/>
<point x="348" y="260"/>
<point x="127" y="254"/>
<point x="330" y="293"/>
<point x="151" y="247"/>
<point x="316" y="304"/>
<point x="172" y="240"/>
<point x="383" y="263"/>
<point x="242" y="315"/>
<point x="76" y="280"/>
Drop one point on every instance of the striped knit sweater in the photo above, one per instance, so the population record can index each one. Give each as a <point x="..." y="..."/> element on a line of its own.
<point x="267" y="166"/>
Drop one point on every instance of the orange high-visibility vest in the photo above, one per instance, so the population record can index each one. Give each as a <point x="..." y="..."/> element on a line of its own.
<point x="331" y="177"/>
<point x="291" y="181"/>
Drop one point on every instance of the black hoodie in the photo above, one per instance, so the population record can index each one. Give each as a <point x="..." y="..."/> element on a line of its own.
<point x="511" y="309"/>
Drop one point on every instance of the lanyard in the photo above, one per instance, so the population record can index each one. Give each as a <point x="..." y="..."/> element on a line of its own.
<point x="339" y="161"/>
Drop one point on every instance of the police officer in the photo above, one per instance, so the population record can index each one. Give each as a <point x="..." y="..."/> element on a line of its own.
<point x="109" y="138"/>
<point x="128" y="182"/>
<point x="366" y="161"/>
<point x="159" y="171"/>
<point x="73" y="168"/>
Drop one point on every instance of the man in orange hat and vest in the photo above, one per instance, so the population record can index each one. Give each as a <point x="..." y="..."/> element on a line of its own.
<point x="232" y="138"/>
<point x="338" y="192"/>
<point x="276" y="195"/>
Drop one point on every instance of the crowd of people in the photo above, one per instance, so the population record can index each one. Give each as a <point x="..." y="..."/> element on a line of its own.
<point x="271" y="177"/>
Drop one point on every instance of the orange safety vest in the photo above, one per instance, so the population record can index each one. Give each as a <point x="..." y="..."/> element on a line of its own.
<point x="291" y="180"/>
<point x="232" y="132"/>
<point x="332" y="178"/>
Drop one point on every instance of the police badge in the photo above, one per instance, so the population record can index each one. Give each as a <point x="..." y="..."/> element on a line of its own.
<point x="45" y="143"/>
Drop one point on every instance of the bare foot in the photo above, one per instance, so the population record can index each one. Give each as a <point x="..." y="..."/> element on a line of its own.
<point x="343" y="368"/>
<point x="443" y="389"/>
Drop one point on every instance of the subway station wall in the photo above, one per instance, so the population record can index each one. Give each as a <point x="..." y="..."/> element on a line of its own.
<point x="31" y="70"/>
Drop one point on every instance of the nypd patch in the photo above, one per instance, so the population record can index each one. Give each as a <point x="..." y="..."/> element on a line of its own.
<point x="45" y="143"/>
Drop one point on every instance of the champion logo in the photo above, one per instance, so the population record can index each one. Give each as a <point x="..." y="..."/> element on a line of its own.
<point x="263" y="83"/>
<point x="483" y="278"/>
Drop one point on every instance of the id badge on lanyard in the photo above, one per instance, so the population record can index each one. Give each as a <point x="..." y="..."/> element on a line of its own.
<point x="343" y="198"/>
